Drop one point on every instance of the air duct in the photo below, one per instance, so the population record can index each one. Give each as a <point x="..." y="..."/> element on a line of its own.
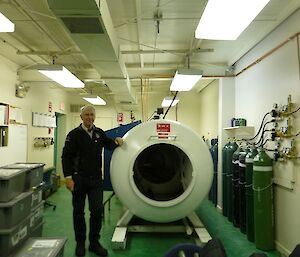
<point x="90" y="26"/>
<point x="162" y="172"/>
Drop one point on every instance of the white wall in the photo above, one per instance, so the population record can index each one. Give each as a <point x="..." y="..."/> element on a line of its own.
<point x="257" y="89"/>
<point x="106" y="116"/>
<point x="36" y="100"/>
<point x="208" y="111"/>
<point x="187" y="109"/>
<point x="226" y="112"/>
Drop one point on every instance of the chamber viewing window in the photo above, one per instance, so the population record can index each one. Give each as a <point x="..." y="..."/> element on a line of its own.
<point x="162" y="172"/>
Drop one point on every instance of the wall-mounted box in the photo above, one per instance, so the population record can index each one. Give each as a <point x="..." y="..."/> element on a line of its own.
<point x="4" y="114"/>
<point x="3" y="135"/>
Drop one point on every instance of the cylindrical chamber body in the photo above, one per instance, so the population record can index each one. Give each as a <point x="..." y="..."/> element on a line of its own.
<point x="162" y="172"/>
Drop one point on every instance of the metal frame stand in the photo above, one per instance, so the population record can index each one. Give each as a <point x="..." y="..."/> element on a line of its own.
<point x="107" y="201"/>
<point x="191" y="225"/>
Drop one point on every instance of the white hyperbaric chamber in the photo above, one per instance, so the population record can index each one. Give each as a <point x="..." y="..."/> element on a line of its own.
<point x="162" y="172"/>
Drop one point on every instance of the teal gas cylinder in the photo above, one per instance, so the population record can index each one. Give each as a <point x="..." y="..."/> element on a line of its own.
<point x="263" y="201"/>
<point x="235" y="187"/>
<point x="230" y="150"/>
<point x="249" y="194"/>
<point x="213" y="193"/>
<point x="224" y="184"/>
<point x="242" y="190"/>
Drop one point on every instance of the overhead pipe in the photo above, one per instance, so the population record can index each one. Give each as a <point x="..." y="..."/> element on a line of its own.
<point x="164" y="51"/>
<point x="269" y="53"/>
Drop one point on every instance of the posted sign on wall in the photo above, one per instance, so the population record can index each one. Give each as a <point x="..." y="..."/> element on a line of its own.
<point x="120" y="117"/>
<point x="49" y="106"/>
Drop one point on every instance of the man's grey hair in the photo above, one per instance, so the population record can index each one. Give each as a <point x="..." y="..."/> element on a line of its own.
<point x="87" y="108"/>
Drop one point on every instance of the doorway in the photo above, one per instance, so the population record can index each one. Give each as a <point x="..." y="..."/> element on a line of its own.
<point x="59" y="140"/>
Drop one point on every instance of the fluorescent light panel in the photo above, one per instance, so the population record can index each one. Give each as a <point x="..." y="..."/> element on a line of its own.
<point x="95" y="100"/>
<point x="5" y="24"/>
<point x="61" y="75"/>
<point x="226" y="20"/>
<point x="185" y="79"/>
<point x="168" y="100"/>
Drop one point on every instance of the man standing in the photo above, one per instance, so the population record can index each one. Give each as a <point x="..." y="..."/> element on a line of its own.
<point x="82" y="162"/>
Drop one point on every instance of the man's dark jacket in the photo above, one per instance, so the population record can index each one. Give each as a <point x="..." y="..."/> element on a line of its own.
<point x="83" y="154"/>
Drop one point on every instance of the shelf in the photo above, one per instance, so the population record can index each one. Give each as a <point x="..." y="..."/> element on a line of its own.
<point x="240" y="131"/>
<point x="4" y="120"/>
<point x="3" y="136"/>
<point x="4" y="114"/>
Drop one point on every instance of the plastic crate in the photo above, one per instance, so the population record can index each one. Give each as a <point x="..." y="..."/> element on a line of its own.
<point x="50" y="247"/>
<point x="11" y="239"/>
<point x="37" y="216"/>
<point x="34" y="173"/>
<point x="12" y="183"/>
<point x="37" y="196"/>
<point x="14" y="211"/>
<point x="37" y="231"/>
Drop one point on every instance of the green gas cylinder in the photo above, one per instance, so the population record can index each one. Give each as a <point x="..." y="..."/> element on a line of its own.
<point x="249" y="194"/>
<point x="212" y="196"/>
<point x="263" y="201"/>
<point x="235" y="187"/>
<point x="224" y="184"/>
<point x="242" y="189"/>
<point x="230" y="150"/>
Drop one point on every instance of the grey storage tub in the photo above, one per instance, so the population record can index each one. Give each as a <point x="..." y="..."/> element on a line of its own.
<point x="11" y="239"/>
<point x="37" y="231"/>
<point x="37" y="216"/>
<point x="34" y="173"/>
<point x="12" y="183"/>
<point x="37" y="196"/>
<point x="14" y="211"/>
<point x="50" y="247"/>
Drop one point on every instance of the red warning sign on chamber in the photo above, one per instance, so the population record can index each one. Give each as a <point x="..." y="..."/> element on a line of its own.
<point x="163" y="127"/>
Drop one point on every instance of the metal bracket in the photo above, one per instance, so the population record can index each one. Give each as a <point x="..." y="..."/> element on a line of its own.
<point x="190" y="224"/>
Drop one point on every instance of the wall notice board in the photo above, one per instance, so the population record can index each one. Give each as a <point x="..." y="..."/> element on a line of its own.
<point x="16" y="150"/>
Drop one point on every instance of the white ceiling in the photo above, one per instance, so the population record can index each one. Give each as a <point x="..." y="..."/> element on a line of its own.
<point x="153" y="37"/>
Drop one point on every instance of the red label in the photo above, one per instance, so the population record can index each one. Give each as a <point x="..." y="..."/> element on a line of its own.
<point x="49" y="106"/>
<point x="162" y="135"/>
<point x="120" y="117"/>
<point x="62" y="106"/>
<point x="163" y="127"/>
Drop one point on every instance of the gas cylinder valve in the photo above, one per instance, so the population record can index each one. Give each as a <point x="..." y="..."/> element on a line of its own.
<point x="276" y="156"/>
<point x="274" y="113"/>
<point x="273" y="136"/>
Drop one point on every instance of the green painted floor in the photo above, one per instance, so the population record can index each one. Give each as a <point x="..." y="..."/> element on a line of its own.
<point x="58" y="223"/>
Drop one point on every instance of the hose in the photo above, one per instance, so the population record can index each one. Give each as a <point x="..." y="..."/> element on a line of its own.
<point x="261" y="137"/>
<point x="260" y="141"/>
<point x="265" y="142"/>
<point x="262" y="122"/>
<point x="170" y="104"/>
